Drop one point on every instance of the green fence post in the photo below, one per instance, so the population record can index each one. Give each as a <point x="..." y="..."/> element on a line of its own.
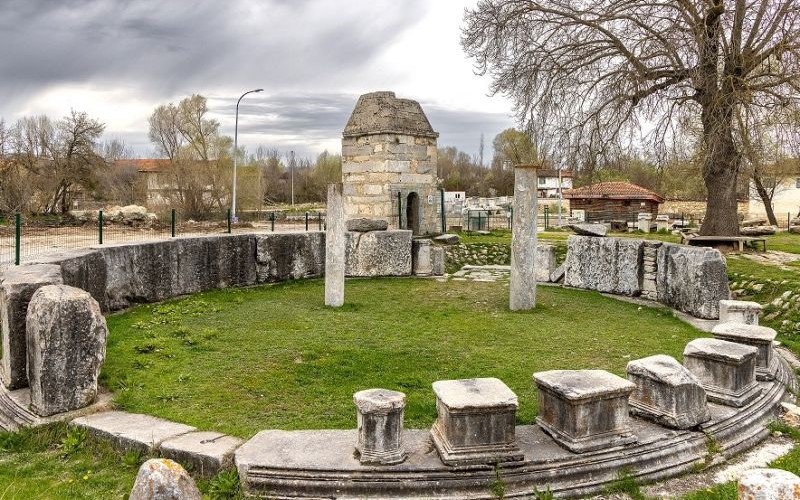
<point x="306" y="221"/>
<point x="511" y="220"/>
<point x="546" y="217"/>
<point x="17" y="238"/>
<point x="444" y="215"/>
<point x="319" y="221"/>
<point x="488" y="217"/>
<point x="100" y="227"/>
<point x="399" y="210"/>
<point x="174" y="218"/>
<point x="272" y="220"/>
<point x="229" y="221"/>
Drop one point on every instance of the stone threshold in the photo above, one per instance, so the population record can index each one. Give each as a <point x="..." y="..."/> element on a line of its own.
<point x="15" y="410"/>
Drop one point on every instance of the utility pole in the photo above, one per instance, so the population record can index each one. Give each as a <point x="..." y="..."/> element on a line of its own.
<point x="291" y="169"/>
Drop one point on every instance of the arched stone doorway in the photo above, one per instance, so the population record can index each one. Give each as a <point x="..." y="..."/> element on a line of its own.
<point x="412" y="213"/>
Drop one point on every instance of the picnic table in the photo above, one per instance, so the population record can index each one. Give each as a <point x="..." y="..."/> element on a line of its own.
<point x="736" y="242"/>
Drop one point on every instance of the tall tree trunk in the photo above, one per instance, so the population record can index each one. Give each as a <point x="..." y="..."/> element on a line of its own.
<point x="766" y="199"/>
<point x="720" y="172"/>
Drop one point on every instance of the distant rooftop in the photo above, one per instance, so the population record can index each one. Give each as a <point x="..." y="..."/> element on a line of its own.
<point x="384" y="113"/>
<point x="613" y="191"/>
<point x="144" y="164"/>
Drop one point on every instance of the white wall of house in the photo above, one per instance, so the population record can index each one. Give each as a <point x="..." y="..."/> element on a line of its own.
<point x="548" y="186"/>
<point x="786" y="200"/>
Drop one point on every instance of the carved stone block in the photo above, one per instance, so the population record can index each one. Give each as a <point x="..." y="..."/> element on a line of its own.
<point x="760" y="337"/>
<point x="739" y="311"/>
<point x="380" y="426"/>
<point x="727" y="370"/>
<point x="584" y="410"/>
<point x="476" y="422"/>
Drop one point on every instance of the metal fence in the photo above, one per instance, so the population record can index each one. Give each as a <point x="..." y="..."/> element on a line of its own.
<point x="24" y="238"/>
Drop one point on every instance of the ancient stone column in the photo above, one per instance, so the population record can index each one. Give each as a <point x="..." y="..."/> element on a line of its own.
<point x="380" y="426"/>
<point x="335" y="243"/>
<point x="523" y="240"/>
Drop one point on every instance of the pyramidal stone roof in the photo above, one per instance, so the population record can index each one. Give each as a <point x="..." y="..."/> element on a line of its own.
<point x="384" y="113"/>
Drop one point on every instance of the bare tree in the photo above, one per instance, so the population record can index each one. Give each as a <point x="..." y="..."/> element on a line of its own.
<point x="592" y="72"/>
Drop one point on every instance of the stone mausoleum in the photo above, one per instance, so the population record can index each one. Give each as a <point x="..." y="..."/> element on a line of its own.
<point x="389" y="164"/>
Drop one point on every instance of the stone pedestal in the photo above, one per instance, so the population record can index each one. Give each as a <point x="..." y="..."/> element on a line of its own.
<point x="476" y="422"/>
<point x="421" y="258"/>
<point x="644" y="222"/>
<point x="739" y="311"/>
<point x="380" y="426"/>
<point x="768" y="484"/>
<point x="727" y="370"/>
<point x="66" y="340"/>
<point x="523" y="240"/>
<point x="667" y="393"/>
<point x="335" y="245"/>
<point x="662" y="222"/>
<point x="760" y="337"/>
<point x="584" y="410"/>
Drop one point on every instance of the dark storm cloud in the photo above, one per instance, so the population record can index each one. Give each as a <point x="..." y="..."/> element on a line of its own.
<point x="300" y="122"/>
<point x="163" y="48"/>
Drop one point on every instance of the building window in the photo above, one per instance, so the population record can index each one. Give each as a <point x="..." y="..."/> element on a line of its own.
<point x="542" y="181"/>
<point x="797" y="183"/>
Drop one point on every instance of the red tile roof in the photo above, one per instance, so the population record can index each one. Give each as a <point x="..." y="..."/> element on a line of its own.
<point x="547" y="172"/>
<point x="613" y="191"/>
<point x="144" y="164"/>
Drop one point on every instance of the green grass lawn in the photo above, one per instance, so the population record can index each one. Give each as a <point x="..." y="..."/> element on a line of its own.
<point x="243" y="360"/>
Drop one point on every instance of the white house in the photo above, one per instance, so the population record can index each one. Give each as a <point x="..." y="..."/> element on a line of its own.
<point x="550" y="182"/>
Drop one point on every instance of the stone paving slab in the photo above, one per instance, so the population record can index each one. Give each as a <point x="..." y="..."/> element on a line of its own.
<point x="131" y="431"/>
<point x="203" y="452"/>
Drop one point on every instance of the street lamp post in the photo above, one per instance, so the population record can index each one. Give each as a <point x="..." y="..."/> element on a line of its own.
<point x="236" y="150"/>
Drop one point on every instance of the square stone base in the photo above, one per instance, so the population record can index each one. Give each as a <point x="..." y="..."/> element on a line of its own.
<point x="588" y="443"/>
<point x="737" y="400"/>
<point x="474" y="454"/>
<point x="684" y="420"/>
<point x="373" y="457"/>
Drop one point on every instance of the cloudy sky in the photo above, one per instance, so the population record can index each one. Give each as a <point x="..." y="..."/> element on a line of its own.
<point x="119" y="59"/>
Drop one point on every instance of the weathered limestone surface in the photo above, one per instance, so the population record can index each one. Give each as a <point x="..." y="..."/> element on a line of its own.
<point x="380" y="426"/>
<point x="545" y="262"/>
<point x="285" y="256"/>
<point x="610" y="265"/>
<point x="475" y="423"/>
<point x="650" y="269"/>
<point x="421" y="258"/>
<point x="438" y="260"/>
<point x="207" y="453"/>
<point x="66" y="344"/>
<point x="667" y="393"/>
<point x="365" y="225"/>
<point x="155" y="271"/>
<point x="131" y="431"/>
<point x="726" y="370"/>
<point x="163" y="479"/>
<point x="447" y="239"/>
<point x="768" y="484"/>
<point x="584" y="410"/>
<point x="335" y="245"/>
<point x="558" y="274"/>
<point x="84" y="269"/>
<point x="522" y="293"/>
<point x="739" y="311"/>
<point x="692" y="279"/>
<point x="16" y="290"/>
<point x="589" y="229"/>
<point x="379" y="253"/>
<point x="760" y="337"/>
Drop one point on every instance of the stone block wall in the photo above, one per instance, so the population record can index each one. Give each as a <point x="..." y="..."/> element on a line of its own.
<point x="375" y="168"/>
<point x="690" y="279"/>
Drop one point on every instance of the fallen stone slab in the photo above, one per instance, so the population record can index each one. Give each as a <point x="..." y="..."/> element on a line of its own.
<point x="447" y="239"/>
<point x="589" y="229"/>
<point x="163" y="479"/>
<point x="365" y="225"/>
<point x="17" y="288"/>
<point x="378" y="253"/>
<point x="203" y="452"/>
<point x="557" y="275"/>
<point x="692" y="279"/>
<point x="131" y="431"/>
<point x="758" y="230"/>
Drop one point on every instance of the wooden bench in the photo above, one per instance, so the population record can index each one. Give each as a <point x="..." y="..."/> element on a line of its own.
<point x="736" y="242"/>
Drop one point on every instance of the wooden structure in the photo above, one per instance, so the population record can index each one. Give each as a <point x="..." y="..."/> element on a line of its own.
<point x="609" y="201"/>
<point x="724" y="242"/>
